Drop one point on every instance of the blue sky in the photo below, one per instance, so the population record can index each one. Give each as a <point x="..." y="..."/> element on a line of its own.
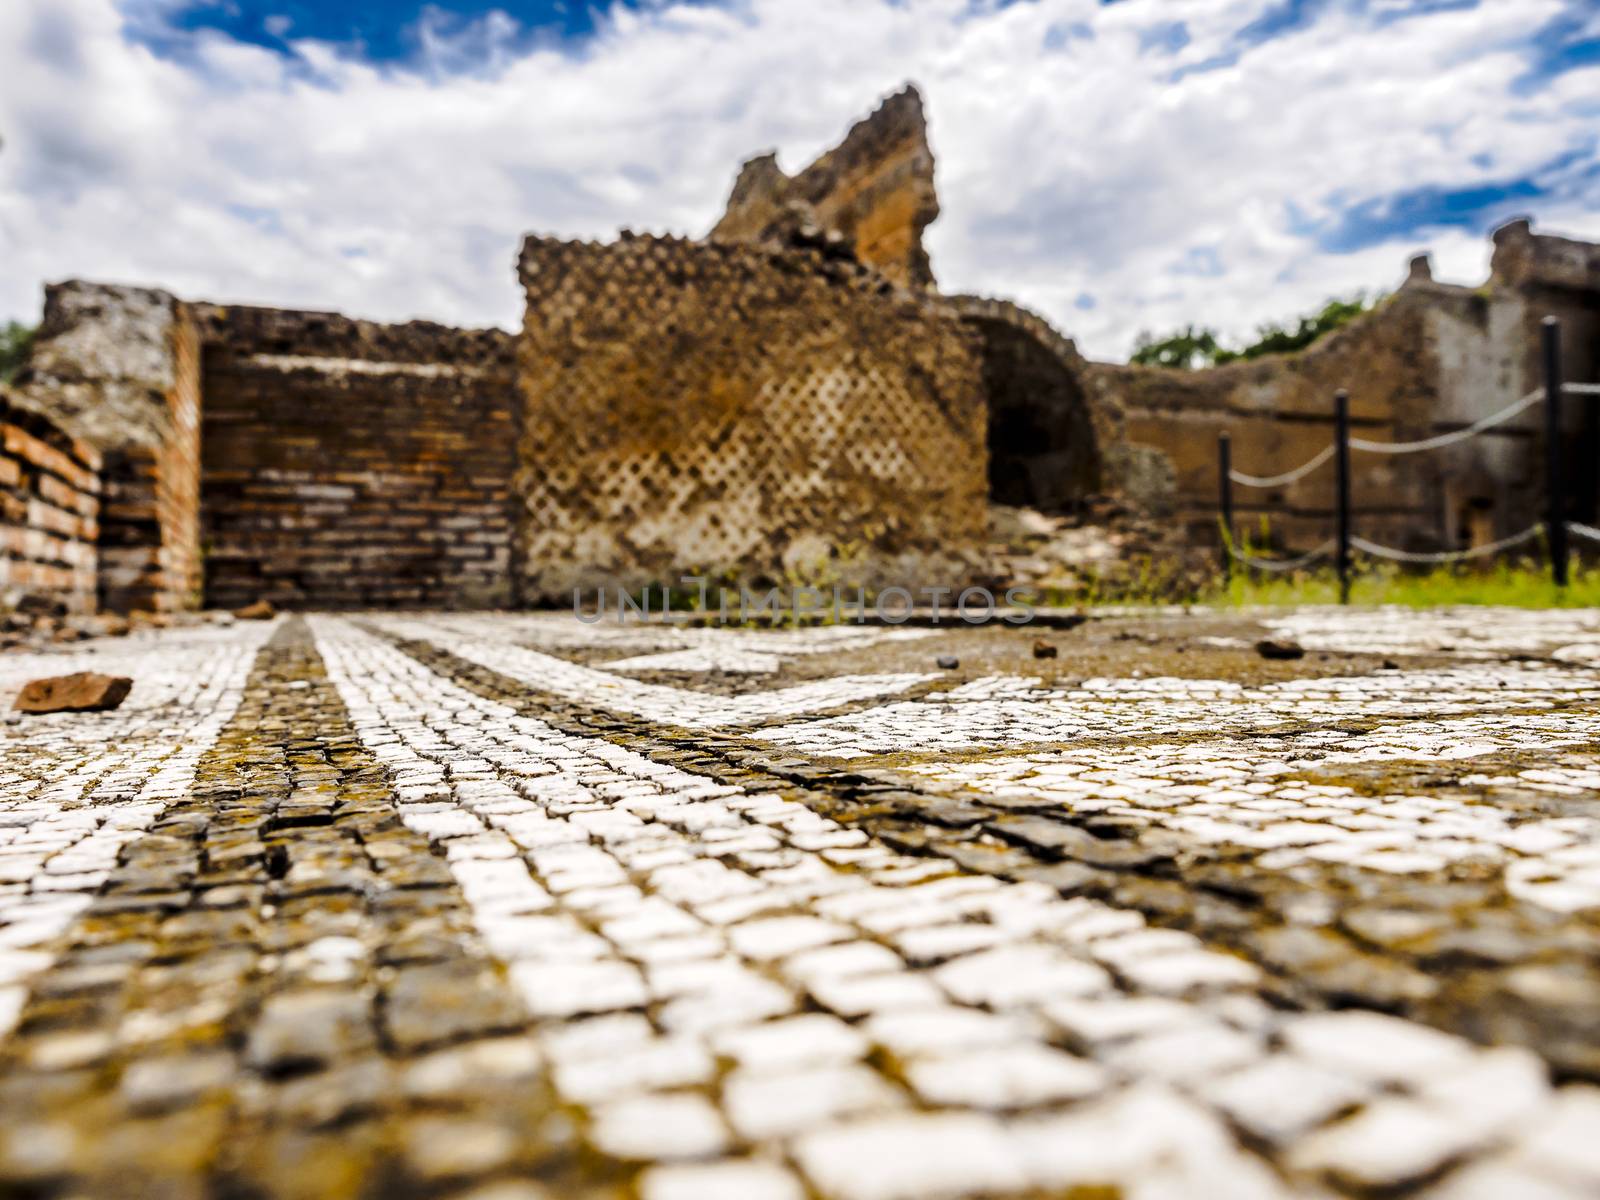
<point x="1119" y="166"/>
<point x="386" y="31"/>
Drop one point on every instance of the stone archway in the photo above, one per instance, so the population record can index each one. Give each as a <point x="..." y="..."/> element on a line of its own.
<point x="1046" y="446"/>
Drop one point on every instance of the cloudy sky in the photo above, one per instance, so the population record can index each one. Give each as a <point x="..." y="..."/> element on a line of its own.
<point x="1118" y="166"/>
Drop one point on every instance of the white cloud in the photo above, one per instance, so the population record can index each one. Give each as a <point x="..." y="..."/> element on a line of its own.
<point x="1069" y="165"/>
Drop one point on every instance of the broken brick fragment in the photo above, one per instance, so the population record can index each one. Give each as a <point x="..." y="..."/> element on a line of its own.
<point x="85" y="691"/>
<point x="261" y="610"/>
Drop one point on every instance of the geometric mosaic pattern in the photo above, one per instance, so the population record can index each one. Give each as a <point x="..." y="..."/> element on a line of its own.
<point x="408" y="905"/>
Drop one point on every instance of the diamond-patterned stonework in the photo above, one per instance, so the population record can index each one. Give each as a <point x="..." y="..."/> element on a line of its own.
<point x="692" y="405"/>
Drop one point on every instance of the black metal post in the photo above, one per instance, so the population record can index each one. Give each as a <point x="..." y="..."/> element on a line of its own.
<point x="1341" y="459"/>
<point x="1555" y="487"/>
<point x="1225" y="501"/>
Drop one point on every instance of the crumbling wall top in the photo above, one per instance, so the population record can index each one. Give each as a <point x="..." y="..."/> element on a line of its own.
<point x="875" y="190"/>
<point x="1523" y="258"/>
<point x="250" y="330"/>
<point x="102" y="362"/>
<point x="546" y="263"/>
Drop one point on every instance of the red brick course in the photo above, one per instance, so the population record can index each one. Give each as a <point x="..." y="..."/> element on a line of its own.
<point x="49" y="510"/>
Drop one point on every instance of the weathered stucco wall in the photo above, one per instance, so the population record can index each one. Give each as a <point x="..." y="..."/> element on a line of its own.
<point x="49" y="509"/>
<point x="150" y="527"/>
<point x="348" y="464"/>
<point x="875" y="189"/>
<point x="1537" y="275"/>
<point x="1279" y="413"/>
<point x="1432" y="359"/>
<point x="725" y="406"/>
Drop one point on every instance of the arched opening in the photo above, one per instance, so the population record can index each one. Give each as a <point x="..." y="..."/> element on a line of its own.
<point x="1042" y="448"/>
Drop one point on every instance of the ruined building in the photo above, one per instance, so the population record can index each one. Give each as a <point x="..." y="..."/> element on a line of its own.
<point x="874" y="192"/>
<point x="789" y="398"/>
<point x="1432" y="359"/>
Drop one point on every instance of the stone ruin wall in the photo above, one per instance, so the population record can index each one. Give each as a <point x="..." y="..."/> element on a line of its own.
<point x="150" y="527"/>
<point x="49" y="512"/>
<point x="1065" y="434"/>
<point x="1550" y="275"/>
<point x="302" y="458"/>
<point x="348" y="464"/>
<point x="875" y="190"/>
<point x="1054" y="442"/>
<point x="1432" y="359"/>
<point x="1532" y="276"/>
<point x="315" y="461"/>
<point x="119" y="367"/>
<point x="792" y="390"/>
<point x="1279" y="413"/>
<point x="740" y="408"/>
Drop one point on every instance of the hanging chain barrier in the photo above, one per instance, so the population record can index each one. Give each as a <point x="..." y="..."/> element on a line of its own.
<point x="1447" y="556"/>
<point x="1290" y="564"/>
<point x="1555" y="526"/>
<point x="1450" y="439"/>
<point x="1406" y="556"/>
<point x="1288" y="477"/>
<point x="1438" y="442"/>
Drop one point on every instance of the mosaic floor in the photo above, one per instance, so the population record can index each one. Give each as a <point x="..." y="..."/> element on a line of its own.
<point x="517" y="908"/>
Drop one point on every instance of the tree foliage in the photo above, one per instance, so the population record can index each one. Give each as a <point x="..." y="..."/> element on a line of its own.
<point x="1185" y="350"/>
<point x="1193" y="347"/>
<point x="14" y="342"/>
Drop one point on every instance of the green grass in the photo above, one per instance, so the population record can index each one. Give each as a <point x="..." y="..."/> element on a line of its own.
<point x="1143" y="582"/>
<point x="1522" y="584"/>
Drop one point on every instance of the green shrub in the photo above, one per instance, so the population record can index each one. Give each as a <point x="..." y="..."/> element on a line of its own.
<point x="1193" y="347"/>
<point x="15" y="340"/>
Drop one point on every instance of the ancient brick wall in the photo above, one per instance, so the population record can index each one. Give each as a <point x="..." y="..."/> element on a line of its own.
<point x="725" y="406"/>
<point x="118" y="365"/>
<point x="1279" y="413"/>
<point x="49" y="510"/>
<point x="348" y="464"/>
<point x="875" y="189"/>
